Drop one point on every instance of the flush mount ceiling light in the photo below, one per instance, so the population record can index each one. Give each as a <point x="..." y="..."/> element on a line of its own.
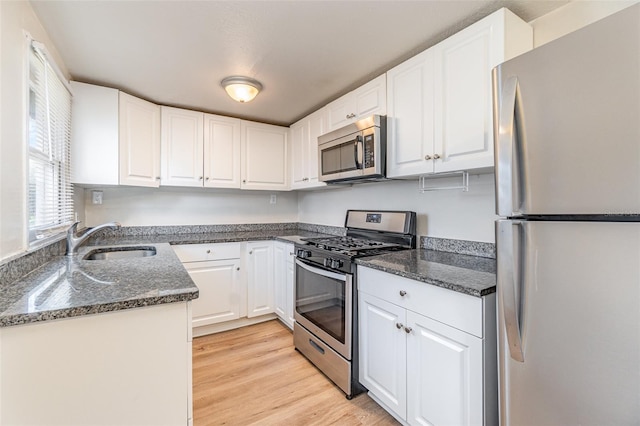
<point x="241" y="89"/>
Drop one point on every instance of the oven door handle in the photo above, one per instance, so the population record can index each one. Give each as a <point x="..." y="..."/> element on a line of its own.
<point x="324" y="273"/>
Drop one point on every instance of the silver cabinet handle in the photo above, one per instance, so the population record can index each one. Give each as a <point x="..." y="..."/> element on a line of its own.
<point x="399" y="326"/>
<point x="408" y="330"/>
<point x="403" y="293"/>
<point x="427" y="157"/>
<point x="436" y="156"/>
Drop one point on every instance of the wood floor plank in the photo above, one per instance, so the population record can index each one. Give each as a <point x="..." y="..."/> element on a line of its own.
<point x="254" y="376"/>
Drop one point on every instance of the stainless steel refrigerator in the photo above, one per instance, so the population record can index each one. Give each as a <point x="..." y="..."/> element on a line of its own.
<point x="567" y="163"/>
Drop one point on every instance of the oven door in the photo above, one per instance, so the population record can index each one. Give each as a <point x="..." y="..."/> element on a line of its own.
<point x="324" y="305"/>
<point x="341" y="158"/>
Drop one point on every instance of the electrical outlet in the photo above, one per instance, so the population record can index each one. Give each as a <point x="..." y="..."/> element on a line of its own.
<point x="96" y="197"/>
<point x="273" y="199"/>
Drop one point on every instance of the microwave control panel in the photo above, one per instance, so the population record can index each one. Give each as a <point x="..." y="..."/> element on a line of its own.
<point x="369" y="151"/>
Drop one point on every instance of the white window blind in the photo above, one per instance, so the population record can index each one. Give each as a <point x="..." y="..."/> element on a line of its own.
<point x="50" y="193"/>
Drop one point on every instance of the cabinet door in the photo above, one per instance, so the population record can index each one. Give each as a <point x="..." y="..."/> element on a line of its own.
<point x="219" y="285"/>
<point x="279" y="278"/>
<point x="463" y="99"/>
<point x="383" y="353"/>
<point x="181" y="147"/>
<point x="221" y="152"/>
<point x="371" y="98"/>
<point x="290" y="289"/>
<point x="342" y="111"/>
<point x="264" y="156"/>
<point x="444" y="374"/>
<point x="410" y="135"/>
<point x="368" y="99"/>
<point x="299" y="153"/>
<point x="261" y="292"/>
<point x="94" y="135"/>
<point x="139" y="143"/>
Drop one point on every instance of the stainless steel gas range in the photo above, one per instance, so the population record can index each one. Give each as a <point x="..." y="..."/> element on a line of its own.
<point x="326" y="309"/>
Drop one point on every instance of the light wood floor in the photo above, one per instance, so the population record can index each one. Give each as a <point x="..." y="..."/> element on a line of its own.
<point x="254" y="376"/>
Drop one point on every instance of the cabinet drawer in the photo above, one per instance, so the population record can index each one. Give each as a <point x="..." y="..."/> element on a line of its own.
<point x="204" y="252"/>
<point x="458" y="310"/>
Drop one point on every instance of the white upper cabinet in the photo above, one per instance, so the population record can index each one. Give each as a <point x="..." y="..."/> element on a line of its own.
<point x="182" y="147"/>
<point x="410" y="115"/>
<point x="304" y="150"/>
<point x="264" y="156"/>
<point x="221" y="151"/>
<point x="201" y="150"/>
<point x="453" y="106"/>
<point x="371" y="98"/>
<point x="94" y="135"/>
<point x="139" y="143"/>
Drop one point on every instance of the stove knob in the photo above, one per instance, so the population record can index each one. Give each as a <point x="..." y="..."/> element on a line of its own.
<point x="303" y="254"/>
<point x="327" y="262"/>
<point x="336" y="263"/>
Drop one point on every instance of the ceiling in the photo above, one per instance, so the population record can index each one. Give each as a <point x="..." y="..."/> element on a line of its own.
<point x="305" y="53"/>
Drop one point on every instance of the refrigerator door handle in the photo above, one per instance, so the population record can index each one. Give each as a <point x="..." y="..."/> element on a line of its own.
<point x="505" y="139"/>
<point x="509" y="267"/>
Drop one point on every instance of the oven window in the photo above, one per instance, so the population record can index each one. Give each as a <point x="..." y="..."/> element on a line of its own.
<point x="321" y="300"/>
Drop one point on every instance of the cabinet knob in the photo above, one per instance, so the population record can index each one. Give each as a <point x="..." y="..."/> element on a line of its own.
<point x="403" y="293"/>
<point x="200" y="178"/>
<point x="251" y="252"/>
<point x="352" y="115"/>
<point x="408" y="330"/>
<point x="208" y="251"/>
<point x="399" y="326"/>
<point x="427" y="157"/>
<point x="244" y="181"/>
<point x="436" y="156"/>
<point x="207" y="178"/>
<point x="157" y="177"/>
<point x="238" y="268"/>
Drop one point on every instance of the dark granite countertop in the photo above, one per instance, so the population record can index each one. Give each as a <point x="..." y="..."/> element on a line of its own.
<point x="70" y="286"/>
<point x="475" y="276"/>
<point x="290" y="236"/>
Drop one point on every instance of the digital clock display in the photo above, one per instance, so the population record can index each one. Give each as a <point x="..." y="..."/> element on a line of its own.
<point x="374" y="217"/>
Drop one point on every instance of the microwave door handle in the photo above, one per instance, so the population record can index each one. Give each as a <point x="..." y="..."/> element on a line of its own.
<point x="356" y="152"/>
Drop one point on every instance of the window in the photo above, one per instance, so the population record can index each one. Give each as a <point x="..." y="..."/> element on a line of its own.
<point x="50" y="193"/>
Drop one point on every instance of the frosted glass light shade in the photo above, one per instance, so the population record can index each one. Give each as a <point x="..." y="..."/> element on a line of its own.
<point x="241" y="89"/>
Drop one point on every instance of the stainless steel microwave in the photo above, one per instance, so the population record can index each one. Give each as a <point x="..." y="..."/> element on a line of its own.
<point x="355" y="152"/>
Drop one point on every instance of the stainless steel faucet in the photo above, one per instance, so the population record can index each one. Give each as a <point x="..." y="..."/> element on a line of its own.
<point x="74" y="240"/>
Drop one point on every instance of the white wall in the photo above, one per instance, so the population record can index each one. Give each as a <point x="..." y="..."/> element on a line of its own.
<point x="445" y="213"/>
<point x="573" y="16"/>
<point x="133" y="206"/>
<point x="15" y="18"/>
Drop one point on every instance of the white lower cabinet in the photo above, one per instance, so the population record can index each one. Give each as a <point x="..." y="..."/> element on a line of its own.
<point x="215" y="269"/>
<point x="283" y="281"/>
<point x="427" y="354"/>
<point x="260" y="289"/>
<point x="126" y="367"/>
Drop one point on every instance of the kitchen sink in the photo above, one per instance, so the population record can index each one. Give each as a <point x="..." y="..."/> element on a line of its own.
<point x="114" y="253"/>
